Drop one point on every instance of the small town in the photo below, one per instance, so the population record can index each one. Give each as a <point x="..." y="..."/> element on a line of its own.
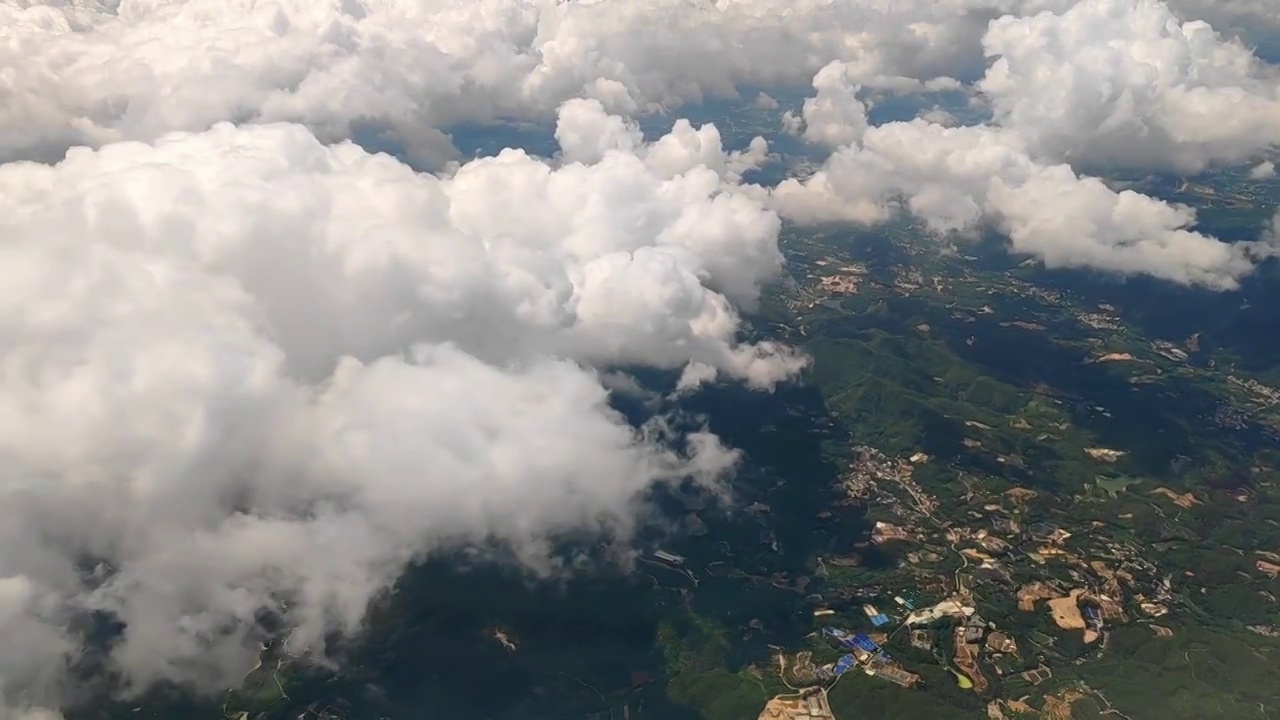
<point x="1082" y="583"/>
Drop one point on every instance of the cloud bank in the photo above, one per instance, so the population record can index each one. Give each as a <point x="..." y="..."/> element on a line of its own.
<point x="247" y="364"/>
<point x="275" y="371"/>
<point x="1113" y="84"/>
<point x="1118" y="83"/>
<point x="97" y="71"/>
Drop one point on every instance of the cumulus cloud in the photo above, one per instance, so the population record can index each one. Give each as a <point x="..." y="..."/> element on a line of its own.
<point x="835" y="115"/>
<point x="106" y="70"/>
<point x="1126" y="83"/>
<point x="586" y="132"/>
<point x="613" y="260"/>
<point x="96" y="71"/>
<point x="275" y="371"/>
<point x="1271" y="234"/>
<point x="1254" y="22"/>
<point x="959" y="179"/>
<point x="1103" y="83"/>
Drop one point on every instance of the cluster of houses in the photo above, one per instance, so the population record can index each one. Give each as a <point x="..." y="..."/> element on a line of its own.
<point x="864" y="652"/>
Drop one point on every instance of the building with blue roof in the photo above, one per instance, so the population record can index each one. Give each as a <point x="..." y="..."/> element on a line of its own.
<point x="864" y="643"/>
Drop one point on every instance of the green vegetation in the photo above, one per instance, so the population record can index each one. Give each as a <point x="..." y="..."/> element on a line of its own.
<point x="695" y="651"/>
<point x="1197" y="672"/>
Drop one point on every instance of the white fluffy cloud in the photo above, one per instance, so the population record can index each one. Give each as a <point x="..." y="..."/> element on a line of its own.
<point x="587" y="133"/>
<point x="835" y="115"/>
<point x="274" y="371"/>
<point x="1102" y="84"/>
<point x="1255" y="22"/>
<point x="1125" y="83"/>
<point x="626" y="259"/>
<point x="1271" y="235"/>
<point x="97" y="71"/>
<point x="957" y="179"/>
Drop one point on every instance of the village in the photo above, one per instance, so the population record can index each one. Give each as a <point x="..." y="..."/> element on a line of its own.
<point x="1081" y="581"/>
